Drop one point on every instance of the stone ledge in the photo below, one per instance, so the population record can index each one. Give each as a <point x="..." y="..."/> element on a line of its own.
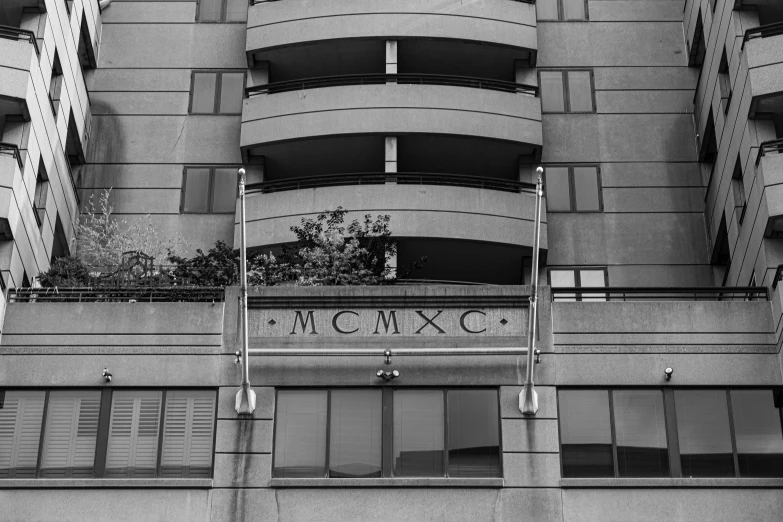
<point x="105" y="483"/>
<point x="671" y="483"/>
<point x="386" y="482"/>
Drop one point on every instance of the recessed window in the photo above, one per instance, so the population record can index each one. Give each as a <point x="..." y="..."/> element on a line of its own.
<point x="222" y="11"/>
<point x="757" y="431"/>
<point x="575" y="188"/>
<point x="426" y="433"/>
<point x="217" y="92"/>
<point x="566" y="91"/>
<point x="41" y="193"/>
<point x="724" y="82"/>
<point x="55" y="85"/>
<point x="209" y="190"/>
<point x="704" y="433"/>
<point x="578" y="278"/>
<point x="562" y="10"/>
<point x="738" y="189"/>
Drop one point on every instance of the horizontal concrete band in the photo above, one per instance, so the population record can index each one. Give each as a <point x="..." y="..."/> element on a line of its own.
<point x="504" y="23"/>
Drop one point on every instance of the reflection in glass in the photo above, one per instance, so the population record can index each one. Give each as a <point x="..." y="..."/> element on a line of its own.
<point x="203" y="101"/>
<point x="418" y="447"/>
<point x="300" y="436"/>
<point x="592" y="278"/>
<point x="580" y="92"/>
<point x="586" y="189"/>
<point x="563" y="279"/>
<point x="552" y="93"/>
<point x="758" y="433"/>
<point x="474" y="435"/>
<point x="586" y="433"/>
<point x="196" y="191"/>
<point x="355" y="433"/>
<point x="640" y="431"/>
<point x="224" y="192"/>
<point x="704" y="434"/>
<point x="558" y="192"/>
<point x="232" y="92"/>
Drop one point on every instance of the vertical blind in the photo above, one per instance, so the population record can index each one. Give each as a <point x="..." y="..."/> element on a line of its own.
<point x="188" y="433"/>
<point x="71" y="434"/>
<point x="21" y="415"/>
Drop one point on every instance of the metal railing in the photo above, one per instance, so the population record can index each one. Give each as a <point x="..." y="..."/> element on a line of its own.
<point x="174" y="294"/>
<point x="401" y="178"/>
<point x="14" y="33"/>
<point x="254" y="2"/>
<point x="762" y="31"/>
<point x="379" y="79"/>
<point x="767" y="147"/>
<point x="778" y="275"/>
<point x="720" y="293"/>
<point x="9" y="149"/>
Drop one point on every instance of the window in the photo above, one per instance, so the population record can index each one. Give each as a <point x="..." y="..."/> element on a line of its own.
<point x="209" y="190"/>
<point x="105" y="433"/>
<point x="216" y="92"/>
<point x="671" y="433"/>
<point x="222" y="11"/>
<point x="577" y="278"/>
<point x="41" y="193"/>
<point x="566" y="91"/>
<point x="738" y="188"/>
<point x="55" y="85"/>
<point x="575" y="188"/>
<point x="387" y="433"/>
<point x="724" y="82"/>
<point x="568" y="10"/>
<point x="68" y="6"/>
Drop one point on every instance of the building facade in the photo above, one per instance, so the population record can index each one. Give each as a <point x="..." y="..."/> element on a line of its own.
<point x="660" y="381"/>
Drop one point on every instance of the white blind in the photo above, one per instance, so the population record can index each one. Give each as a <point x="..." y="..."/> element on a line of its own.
<point x="188" y="434"/>
<point x="71" y="432"/>
<point x="21" y="414"/>
<point x="133" y="434"/>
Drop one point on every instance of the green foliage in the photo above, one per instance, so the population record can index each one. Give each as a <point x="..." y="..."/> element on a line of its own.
<point x="67" y="271"/>
<point x="218" y="267"/>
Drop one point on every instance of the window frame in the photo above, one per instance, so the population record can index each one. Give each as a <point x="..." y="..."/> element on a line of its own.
<point x="560" y="10"/>
<point x="218" y="90"/>
<point x="578" y="280"/>
<point x="387" y="431"/>
<point x="571" y="187"/>
<point x="670" y="417"/>
<point x="210" y="188"/>
<point x="566" y="94"/>
<point x="223" y="11"/>
<point x="104" y="419"/>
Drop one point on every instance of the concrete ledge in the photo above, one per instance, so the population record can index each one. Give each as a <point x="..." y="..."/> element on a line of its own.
<point x="106" y="483"/>
<point x="386" y="482"/>
<point x="672" y="483"/>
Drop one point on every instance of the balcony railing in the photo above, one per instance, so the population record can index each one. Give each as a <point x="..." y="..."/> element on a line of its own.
<point x="401" y="178"/>
<point x="763" y="31"/>
<point x="769" y="147"/>
<point x="14" y="33"/>
<point x="174" y="294"/>
<point x="9" y="149"/>
<point x="720" y="293"/>
<point x="254" y="2"/>
<point x="378" y="79"/>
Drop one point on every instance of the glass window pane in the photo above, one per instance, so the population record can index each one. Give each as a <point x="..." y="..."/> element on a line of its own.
<point x="224" y="191"/>
<point x="21" y="416"/>
<point x="592" y="278"/>
<point x="71" y="434"/>
<point x="203" y="101"/>
<point x="418" y="433"/>
<point x="563" y="278"/>
<point x="758" y="433"/>
<point x="580" y="93"/>
<point x="474" y="434"/>
<point x="231" y="93"/>
<point x="196" y="198"/>
<point x="355" y="434"/>
<point x="552" y="92"/>
<point x="132" y="450"/>
<point x="209" y="10"/>
<point x="300" y="434"/>
<point x="558" y="191"/>
<point x="585" y="433"/>
<point x="703" y="433"/>
<point x="546" y="9"/>
<point x="586" y="189"/>
<point x="640" y="428"/>
<point x="574" y="10"/>
<point x="236" y="10"/>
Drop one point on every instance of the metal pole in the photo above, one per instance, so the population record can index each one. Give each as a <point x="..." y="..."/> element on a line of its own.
<point x="246" y="397"/>
<point x="528" y="398"/>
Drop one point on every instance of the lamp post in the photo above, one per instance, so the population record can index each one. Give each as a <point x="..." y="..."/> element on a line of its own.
<point x="246" y="397"/>
<point x="528" y="398"/>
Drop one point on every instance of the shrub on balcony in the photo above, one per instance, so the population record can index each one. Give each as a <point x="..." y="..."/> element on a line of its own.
<point x="68" y="271"/>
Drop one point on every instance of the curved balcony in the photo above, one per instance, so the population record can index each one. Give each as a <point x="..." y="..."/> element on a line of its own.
<point x="762" y="49"/>
<point x="289" y="22"/>
<point x="464" y="208"/>
<point x="391" y="104"/>
<point x="18" y="52"/>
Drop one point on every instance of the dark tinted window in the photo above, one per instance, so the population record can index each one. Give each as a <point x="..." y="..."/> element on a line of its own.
<point x="236" y="10"/>
<point x="640" y="431"/>
<point x="558" y="190"/>
<point x="703" y="433"/>
<point x="580" y="91"/>
<point x="758" y="433"/>
<point x="231" y="93"/>
<point x="586" y="193"/>
<point x="209" y="10"/>
<point x="552" y="92"/>
<point x="474" y="440"/>
<point x="217" y="92"/>
<point x="196" y="196"/>
<point x="547" y="9"/>
<point x="355" y="440"/>
<point x="203" y="96"/>
<point x="574" y="10"/>
<point x="585" y="433"/>
<point x="300" y="436"/>
<point x="418" y="433"/>
<point x="224" y="190"/>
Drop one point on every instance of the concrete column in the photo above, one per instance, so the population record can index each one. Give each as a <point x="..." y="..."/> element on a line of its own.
<point x="524" y="73"/>
<point x="526" y="169"/>
<point x="259" y="74"/>
<point x="255" y="170"/>
<point x="391" y="56"/>
<point x="391" y="153"/>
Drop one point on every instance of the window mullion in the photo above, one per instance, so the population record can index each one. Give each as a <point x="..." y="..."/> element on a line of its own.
<point x="445" y="433"/>
<point x="733" y="436"/>
<point x="614" y="434"/>
<point x="571" y="189"/>
<point x="224" y="11"/>
<point x="218" y="86"/>
<point x="210" y="189"/>
<point x="102" y="441"/>
<point x="43" y="434"/>
<point x="387" y="433"/>
<point x="327" y="450"/>
<point x="160" y="432"/>
<point x="566" y="96"/>
<point x="675" y="465"/>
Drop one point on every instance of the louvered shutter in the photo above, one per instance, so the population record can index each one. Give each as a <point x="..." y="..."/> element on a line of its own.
<point x="188" y="434"/>
<point x="133" y="434"/>
<point x="21" y="415"/>
<point x="71" y="433"/>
